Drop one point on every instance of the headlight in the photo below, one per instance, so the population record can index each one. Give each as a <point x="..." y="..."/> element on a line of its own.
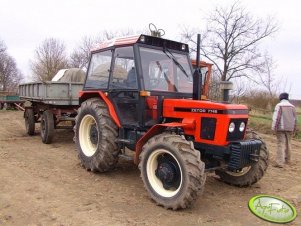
<point x="231" y="127"/>
<point x="242" y="126"/>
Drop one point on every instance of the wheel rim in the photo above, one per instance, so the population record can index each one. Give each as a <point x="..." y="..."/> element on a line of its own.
<point x="241" y="172"/>
<point x="88" y="135"/>
<point x="164" y="173"/>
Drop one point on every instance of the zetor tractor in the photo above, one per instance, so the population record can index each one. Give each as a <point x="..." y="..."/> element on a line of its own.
<point x="141" y="94"/>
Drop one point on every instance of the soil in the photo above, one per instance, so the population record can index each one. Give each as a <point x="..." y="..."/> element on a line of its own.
<point x="45" y="185"/>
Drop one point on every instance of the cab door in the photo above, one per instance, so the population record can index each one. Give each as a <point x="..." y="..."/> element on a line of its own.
<point x="123" y="86"/>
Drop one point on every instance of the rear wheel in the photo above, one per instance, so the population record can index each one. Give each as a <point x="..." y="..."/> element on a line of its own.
<point x="172" y="171"/>
<point x="29" y="121"/>
<point x="251" y="174"/>
<point x="95" y="135"/>
<point x="47" y="127"/>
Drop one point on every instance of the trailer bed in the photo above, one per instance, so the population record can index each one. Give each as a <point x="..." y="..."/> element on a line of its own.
<point x="52" y="93"/>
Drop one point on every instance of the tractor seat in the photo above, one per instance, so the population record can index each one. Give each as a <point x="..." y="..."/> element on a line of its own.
<point x="131" y="80"/>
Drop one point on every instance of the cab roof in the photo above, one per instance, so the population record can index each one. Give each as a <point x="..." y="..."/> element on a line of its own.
<point x="117" y="42"/>
<point x="143" y="39"/>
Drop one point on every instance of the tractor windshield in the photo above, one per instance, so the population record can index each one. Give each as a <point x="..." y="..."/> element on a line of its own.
<point x="166" y="71"/>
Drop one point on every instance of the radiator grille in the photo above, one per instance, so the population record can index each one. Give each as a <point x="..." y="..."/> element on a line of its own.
<point x="208" y="128"/>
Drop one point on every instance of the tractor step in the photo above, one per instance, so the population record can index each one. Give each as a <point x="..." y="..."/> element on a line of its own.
<point x="126" y="157"/>
<point x="124" y="141"/>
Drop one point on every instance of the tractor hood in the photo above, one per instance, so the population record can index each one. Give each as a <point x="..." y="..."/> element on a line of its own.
<point x="174" y="107"/>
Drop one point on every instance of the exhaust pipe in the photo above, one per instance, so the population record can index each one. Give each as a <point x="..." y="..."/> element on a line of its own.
<point x="197" y="75"/>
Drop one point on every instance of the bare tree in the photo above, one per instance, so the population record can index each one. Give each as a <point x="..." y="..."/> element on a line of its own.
<point x="272" y="85"/>
<point x="231" y="41"/>
<point x="267" y="79"/>
<point x="214" y="87"/>
<point x="241" y="87"/>
<point x="50" y="57"/>
<point x="80" y="56"/>
<point x="2" y="47"/>
<point x="2" y="50"/>
<point x="10" y="76"/>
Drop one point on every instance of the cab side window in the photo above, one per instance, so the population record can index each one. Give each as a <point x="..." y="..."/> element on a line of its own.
<point x="124" y="72"/>
<point x="99" y="70"/>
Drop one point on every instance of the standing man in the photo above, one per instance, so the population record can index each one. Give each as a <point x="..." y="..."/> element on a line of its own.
<point x="285" y="125"/>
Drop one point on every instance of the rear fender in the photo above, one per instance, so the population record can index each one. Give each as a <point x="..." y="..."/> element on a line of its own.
<point x="85" y="95"/>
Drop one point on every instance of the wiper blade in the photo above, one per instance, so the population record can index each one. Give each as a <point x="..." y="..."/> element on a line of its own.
<point x="166" y="77"/>
<point x="174" y="59"/>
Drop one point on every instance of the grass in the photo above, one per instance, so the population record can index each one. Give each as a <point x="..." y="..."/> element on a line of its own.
<point x="262" y="122"/>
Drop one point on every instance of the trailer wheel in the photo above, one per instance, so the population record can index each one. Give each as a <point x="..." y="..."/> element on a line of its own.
<point x="29" y="121"/>
<point x="47" y="127"/>
<point x="95" y="135"/>
<point x="172" y="171"/>
<point x="251" y="174"/>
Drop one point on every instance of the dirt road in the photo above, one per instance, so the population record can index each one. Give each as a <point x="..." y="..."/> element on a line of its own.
<point x="45" y="185"/>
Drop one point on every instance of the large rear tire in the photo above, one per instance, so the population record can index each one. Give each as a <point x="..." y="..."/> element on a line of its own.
<point x="95" y="135"/>
<point x="248" y="175"/>
<point x="47" y="127"/>
<point x="172" y="171"/>
<point x="29" y="121"/>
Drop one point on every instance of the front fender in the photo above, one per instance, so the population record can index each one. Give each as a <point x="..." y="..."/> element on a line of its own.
<point x="155" y="130"/>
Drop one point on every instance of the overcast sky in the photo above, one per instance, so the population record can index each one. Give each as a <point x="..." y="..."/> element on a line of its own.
<point x="25" y="24"/>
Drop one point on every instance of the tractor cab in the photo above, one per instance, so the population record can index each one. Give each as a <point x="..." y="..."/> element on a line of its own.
<point x="137" y="72"/>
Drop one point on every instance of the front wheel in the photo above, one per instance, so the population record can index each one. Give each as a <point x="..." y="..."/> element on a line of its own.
<point x="251" y="174"/>
<point x="172" y="171"/>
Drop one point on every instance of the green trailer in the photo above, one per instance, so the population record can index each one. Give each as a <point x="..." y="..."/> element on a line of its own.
<point x="10" y="101"/>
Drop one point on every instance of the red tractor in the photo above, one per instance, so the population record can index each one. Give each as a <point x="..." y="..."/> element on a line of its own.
<point x="141" y="94"/>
